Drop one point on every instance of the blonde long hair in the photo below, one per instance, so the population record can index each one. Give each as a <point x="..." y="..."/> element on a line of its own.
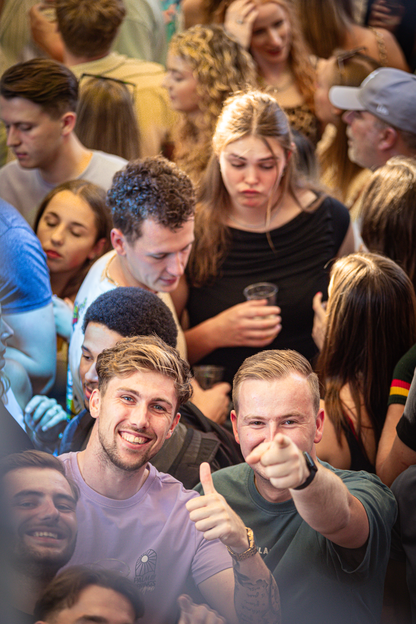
<point x="388" y="213"/>
<point x="221" y="67"/>
<point x="252" y="114"/>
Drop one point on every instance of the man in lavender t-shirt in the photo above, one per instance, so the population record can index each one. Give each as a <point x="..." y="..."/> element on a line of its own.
<point x="144" y="523"/>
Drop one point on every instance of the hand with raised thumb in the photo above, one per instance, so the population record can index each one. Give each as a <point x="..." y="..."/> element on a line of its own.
<point x="214" y="517"/>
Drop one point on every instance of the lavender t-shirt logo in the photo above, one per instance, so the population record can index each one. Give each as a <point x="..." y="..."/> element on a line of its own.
<point x="145" y="571"/>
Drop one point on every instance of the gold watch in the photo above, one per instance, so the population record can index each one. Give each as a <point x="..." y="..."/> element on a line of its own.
<point x="251" y="550"/>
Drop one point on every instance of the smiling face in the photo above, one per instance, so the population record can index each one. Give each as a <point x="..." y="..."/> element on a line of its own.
<point x="42" y="519"/>
<point x="136" y="414"/>
<point x="98" y="604"/>
<point x="181" y="85"/>
<point x="97" y="337"/>
<point x="265" y="408"/>
<point x="32" y="134"/>
<point x="157" y="259"/>
<point x="67" y="232"/>
<point x="251" y="172"/>
<point x="271" y="36"/>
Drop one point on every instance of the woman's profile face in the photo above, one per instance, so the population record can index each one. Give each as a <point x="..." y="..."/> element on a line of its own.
<point x="272" y="35"/>
<point x="67" y="232"/>
<point x="181" y="85"/>
<point x="251" y="172"/>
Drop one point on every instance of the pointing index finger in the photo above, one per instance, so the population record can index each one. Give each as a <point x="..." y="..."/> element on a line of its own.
<point x="282" y="441"/>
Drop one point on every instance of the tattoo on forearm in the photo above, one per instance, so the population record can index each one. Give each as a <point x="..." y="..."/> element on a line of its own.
<point x="256" y="602"/>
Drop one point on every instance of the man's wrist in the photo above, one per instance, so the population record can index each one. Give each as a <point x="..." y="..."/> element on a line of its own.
<point x="312" y="470"/>
<point x="247" y="552"/>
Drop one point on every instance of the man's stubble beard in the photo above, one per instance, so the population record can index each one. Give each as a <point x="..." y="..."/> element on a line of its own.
<point x="111" y="456"/>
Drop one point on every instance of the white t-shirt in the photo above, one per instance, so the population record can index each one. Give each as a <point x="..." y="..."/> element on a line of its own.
<point x="95" y="284"/>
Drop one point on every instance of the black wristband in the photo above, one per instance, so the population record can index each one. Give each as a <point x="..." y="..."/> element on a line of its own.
<point x="313" y="469"/>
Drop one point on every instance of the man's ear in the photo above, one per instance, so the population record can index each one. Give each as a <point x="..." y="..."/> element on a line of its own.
<point x="94" y="403"/>
<point x="118" y="241"/>
<point x="319" y="426"/>
<point x="388" y="139"/>
<point x="233" y="416"/>
<point x="173" y="425"/>
<point x="68" y="123"/>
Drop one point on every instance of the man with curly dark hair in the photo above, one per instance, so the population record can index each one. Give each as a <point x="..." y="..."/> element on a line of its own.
<point x="152" y="203"/>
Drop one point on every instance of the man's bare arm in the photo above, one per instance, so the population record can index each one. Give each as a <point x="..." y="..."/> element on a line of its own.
<point x="326" y="504"/>
<point x="33" y="345"/>
<point x="256" y="595"/>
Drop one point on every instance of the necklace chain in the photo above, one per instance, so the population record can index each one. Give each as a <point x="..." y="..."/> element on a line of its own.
<point x="107" y="272"/>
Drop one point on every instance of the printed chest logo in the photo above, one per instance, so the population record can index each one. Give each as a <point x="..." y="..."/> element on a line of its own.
<point x="145" y="571"/>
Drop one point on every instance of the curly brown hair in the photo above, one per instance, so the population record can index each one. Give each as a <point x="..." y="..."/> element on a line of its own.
<point x="152" y="188"/>
<point x="221" y="67"/>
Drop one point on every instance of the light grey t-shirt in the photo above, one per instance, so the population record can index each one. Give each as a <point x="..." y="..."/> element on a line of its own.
<point x="25" y="188"/>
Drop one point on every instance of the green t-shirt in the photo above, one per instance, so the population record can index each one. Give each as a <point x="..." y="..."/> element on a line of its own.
<point x="319" y="582"/>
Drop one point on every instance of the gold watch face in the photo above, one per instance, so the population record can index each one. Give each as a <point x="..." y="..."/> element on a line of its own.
<point x="250" y="536"/>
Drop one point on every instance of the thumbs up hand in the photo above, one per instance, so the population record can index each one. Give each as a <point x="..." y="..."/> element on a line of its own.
<point x="214" y="517"/>
<point x="282" y="462"/>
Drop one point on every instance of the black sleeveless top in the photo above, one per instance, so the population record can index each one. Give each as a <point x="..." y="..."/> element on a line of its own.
<point x="359" y="459"/>
<point x="299" y="265"/>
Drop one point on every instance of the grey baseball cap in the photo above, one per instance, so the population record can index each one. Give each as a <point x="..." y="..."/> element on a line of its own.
<point x="389" y="94"/>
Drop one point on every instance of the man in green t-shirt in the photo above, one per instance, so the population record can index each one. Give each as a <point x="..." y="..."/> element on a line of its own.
<point x="324" y="533"/>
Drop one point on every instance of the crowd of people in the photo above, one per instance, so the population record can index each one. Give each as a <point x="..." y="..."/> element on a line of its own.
<point x="160" y="162"/>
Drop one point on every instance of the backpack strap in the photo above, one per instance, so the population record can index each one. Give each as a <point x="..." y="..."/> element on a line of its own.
<point x="198" y="447"/>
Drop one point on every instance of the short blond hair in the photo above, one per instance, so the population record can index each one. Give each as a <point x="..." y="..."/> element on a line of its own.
<point x="140" y="354"/>
<point x="276" y="364"/>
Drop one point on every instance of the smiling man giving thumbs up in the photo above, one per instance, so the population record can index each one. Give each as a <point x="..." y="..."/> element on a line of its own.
<point x="324" y="533"/>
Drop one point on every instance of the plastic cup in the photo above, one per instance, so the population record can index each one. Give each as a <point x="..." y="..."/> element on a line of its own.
<point x="207" y="375"/>
<point x="261" y="290"/>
